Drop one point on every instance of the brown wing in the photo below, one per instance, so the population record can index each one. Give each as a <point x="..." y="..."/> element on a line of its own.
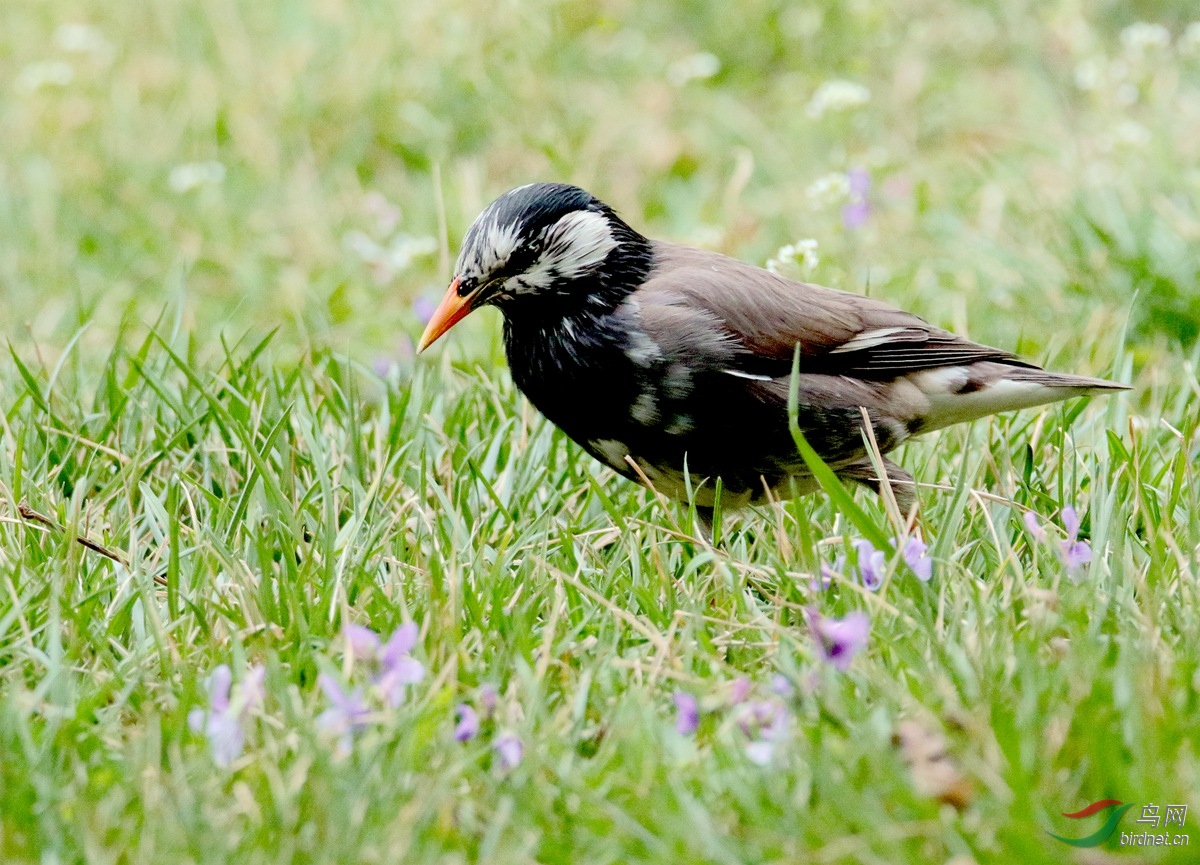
<point x="766" y="316"/>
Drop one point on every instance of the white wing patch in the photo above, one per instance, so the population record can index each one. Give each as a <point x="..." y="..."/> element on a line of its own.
<point x="868" y="339"/>
<point x="747" y="375"/>
<point x="570" y="247"/>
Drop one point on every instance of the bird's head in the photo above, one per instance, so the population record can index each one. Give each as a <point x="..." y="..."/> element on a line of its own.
<point x="541" y="241"/>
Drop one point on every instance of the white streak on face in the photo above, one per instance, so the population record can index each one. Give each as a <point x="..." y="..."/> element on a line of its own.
<point x="491" y="247"/>
<point x="570" y="247"/>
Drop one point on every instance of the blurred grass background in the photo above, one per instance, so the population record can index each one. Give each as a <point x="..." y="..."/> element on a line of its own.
<point x="1028" y="164"/>
<point x="213" y="171"/>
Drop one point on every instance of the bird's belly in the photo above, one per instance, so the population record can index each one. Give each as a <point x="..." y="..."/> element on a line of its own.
<point x="677" y="439"/>
<point x="676" y="427"/>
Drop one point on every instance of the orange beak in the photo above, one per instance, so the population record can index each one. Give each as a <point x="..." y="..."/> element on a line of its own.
<point x="450" y="312"/>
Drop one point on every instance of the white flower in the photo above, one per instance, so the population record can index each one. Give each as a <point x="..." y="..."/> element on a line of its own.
<point x="828" y="190"/>
<point x="192" y="175"/>
<point x="1131" y="133"/>
<point x="388" y="260"/>
<point x="404" y="248"/>
<point x="1126" y="134"/>
<point x="1143" y="35"/>
<point x="700" y="65"/>
<point x="1126" y="94"/>
<point x="802" y="255"/>
<point x="80" y="39"/>
<point x="837" y="95"/>
<point x="1189" y="42"/>
<point x="47" y="73"/>
<point x="1090" y="74"/>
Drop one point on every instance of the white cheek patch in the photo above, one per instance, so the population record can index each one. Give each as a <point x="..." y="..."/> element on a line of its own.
<point x="570" y="247"/>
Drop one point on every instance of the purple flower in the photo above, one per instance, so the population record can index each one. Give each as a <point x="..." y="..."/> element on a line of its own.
<point x="858" y="209"/>
<point x="753" y="716"/>
<point x="838" y="641"/>
<point x="761" y="752"/>
<point x="859" y="180"/>
<point x="856" y="213"/>
<point x="509" y="750"/>
<point x="781" y="686"/>
<point x="222" y="722"/>
<point x="219" y="684"/>
<point x="1035" y="528"/>
<point x="872" y="565"/>
<point x="253" y="689"/>
<point x="394" y="666"/>
<point x="467" y="727"/>
<point x="766" y="722"/>
<point x="915" y="555"/>
<point x="222" y="727"/>
<point x="828" y="573"/>
<point x="488" y="698"/>
<point x="362" y="642"/>
<point x="398" y="668"/>
<point x="687" y="713"/>
<point x="739" y="690"/>
<point x="1075" y="553"/>
<point x="423" y="308"/>
<point x="348" y="713"/>
<point x="386" y="214"/>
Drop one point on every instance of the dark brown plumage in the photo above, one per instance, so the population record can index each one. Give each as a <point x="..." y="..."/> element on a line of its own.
<point x="655" y="356"/>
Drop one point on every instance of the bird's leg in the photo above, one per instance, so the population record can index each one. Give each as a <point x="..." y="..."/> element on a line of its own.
<point x="704" y="522"/>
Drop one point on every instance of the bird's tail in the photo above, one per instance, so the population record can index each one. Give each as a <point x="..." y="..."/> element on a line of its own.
<point x="1079" y="385"/>
<point x="965" y="393"/>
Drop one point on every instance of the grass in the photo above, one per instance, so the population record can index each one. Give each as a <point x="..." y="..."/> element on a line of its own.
<point x="214" y="385"/>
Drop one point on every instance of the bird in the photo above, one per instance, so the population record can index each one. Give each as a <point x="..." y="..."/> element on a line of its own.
<point x="673" y="365"/>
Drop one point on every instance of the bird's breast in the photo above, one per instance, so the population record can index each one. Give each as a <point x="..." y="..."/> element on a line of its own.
<point x="574" y="372"/>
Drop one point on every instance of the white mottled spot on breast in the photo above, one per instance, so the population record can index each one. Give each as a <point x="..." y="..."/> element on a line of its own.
<point x="641" y="349"/>
<point x="680" y="425"/>
<point x="645" y="409"/>
<point x="611" y="451"/>
<point x="677" y="383"/>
